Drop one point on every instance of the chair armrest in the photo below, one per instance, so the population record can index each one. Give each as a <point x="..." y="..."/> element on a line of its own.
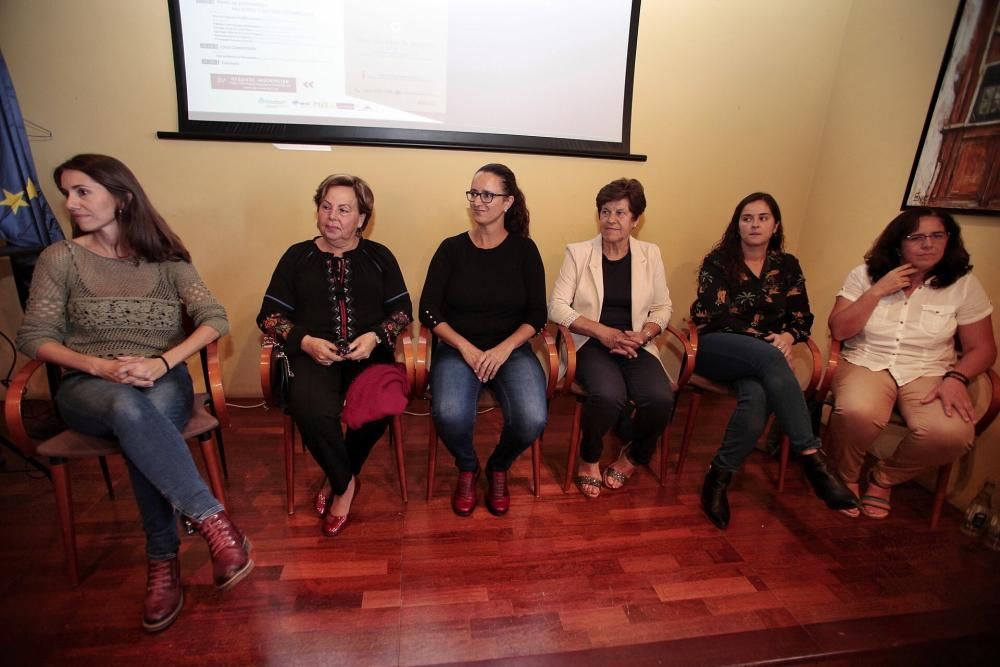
<point x="993" y="408"/>
<point x="823" y="392"/>
<point x="266" y="353"/>
<point x="421" y="362"/>
<point x="13" y="408"/>
<point x="687" y="358"/>
<point x="404" y="349"/>
<point x="213" y="382"/>
<point x="545" y="343"/>
<point x="811" y="387"/>
<point x="564" y="340"/>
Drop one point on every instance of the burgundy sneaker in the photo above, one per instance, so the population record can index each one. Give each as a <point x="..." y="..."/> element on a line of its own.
<point x="164" y="596"/>
<point x="498" y="497"/>
<point x="463" y="500"/>
<point x="230" y="550"/>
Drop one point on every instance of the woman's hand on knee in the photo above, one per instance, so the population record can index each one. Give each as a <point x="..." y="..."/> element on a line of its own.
<point x="490" y="362"/>
<point x="954" y="398"/>
<point x="362" y="346"/>
<point x="784" y="342"/>
<point x="117" y="370"/>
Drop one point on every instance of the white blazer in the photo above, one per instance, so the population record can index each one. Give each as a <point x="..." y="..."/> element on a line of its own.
<point x="579" y="289"/>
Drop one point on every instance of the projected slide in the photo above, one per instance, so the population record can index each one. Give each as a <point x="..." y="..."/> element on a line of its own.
<point x="549" y="69"/>
<point x="305" y="60"/>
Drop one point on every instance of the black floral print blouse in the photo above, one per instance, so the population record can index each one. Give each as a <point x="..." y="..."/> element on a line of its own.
<point x="776" y="302"/>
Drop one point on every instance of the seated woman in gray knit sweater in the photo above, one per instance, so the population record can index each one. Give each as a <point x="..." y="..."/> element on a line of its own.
<point x="107" y="307"/>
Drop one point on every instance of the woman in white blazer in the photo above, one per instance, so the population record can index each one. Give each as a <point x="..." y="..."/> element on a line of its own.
<point x="612" y="295"/>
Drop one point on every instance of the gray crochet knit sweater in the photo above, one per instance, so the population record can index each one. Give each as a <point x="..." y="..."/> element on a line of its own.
<point x="113" y="307"/>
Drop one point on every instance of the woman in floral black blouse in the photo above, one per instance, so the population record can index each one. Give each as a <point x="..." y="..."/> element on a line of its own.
<point x="337" y="302"/>
<point x="751" y="308"/>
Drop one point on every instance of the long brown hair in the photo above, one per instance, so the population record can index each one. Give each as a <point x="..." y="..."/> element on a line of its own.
<point x="143" y="230"/>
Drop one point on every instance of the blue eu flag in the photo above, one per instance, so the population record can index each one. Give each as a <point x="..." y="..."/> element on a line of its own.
<point x="26" y="221"/>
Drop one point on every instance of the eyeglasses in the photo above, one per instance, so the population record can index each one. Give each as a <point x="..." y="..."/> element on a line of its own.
<point x="485" y="196"/>
<point x="920" y="239"/>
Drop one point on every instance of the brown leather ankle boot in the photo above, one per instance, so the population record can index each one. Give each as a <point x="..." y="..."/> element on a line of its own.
<point x="230" y="550"/>
<point x="164" y="596"/>
<point x="463" y="500"/>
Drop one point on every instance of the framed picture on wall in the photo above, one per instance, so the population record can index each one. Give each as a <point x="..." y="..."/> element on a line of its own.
<point x="957" y="165"/>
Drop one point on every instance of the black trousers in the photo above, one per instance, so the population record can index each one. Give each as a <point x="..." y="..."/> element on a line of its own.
<point x="612" y="383"/>
<point x="316" y="399"/>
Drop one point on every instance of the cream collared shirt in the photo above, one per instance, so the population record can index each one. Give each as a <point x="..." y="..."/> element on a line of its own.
<point x="913" y="336"/>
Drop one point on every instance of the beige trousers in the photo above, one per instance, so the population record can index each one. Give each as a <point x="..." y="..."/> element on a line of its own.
<point x="864" y="401"/>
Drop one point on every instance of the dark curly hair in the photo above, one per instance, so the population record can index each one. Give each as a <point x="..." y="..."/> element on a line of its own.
<point x="517" y="218"/>
<point x="143" y="229"/>
<point x="730" y="247"/>
<point x="624" y="188"/>
<point x="886" y="253"/>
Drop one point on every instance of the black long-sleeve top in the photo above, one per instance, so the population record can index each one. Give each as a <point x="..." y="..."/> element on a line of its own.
<point x="485" y="295"/>
<point x="335" y="298"/>
<point x="776" y="302"/>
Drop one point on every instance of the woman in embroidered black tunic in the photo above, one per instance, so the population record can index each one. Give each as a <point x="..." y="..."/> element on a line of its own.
<point x="337" y="302"/>
<point x="751" y="308"/>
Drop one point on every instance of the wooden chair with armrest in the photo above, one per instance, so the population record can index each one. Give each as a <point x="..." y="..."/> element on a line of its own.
<point x="568" y="385"/>
<point x="69" y="445"/>
<point x="700" y="385"/>
<point x="268" y="352"/>
<point x="988" y="383"/>
<point x="545" y="348"/>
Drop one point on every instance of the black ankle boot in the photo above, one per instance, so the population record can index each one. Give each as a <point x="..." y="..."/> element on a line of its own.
<point x="713" y="496"/>
<point x="827" y="486"/>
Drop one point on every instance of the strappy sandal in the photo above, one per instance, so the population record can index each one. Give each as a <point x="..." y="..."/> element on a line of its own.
<point x="875" y="507"/>
<point x="853" y="512"/>
<point x="586" y="480"/>
<point x="612" y="473"/>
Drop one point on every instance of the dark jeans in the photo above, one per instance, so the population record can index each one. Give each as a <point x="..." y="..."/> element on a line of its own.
<point x="519" y="387"/>
<point x="147" y="422"/>
<point x="764" y="382"/>
<point x="611" y="380"/>
<point x="316" y="399"/>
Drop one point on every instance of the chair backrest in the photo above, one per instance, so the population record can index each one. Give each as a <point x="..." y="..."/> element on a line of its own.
<point x="544" y="345"/>
<point x="269" y="349"/>
<point x="811" y="373"/>
<point x="988" y="383"/>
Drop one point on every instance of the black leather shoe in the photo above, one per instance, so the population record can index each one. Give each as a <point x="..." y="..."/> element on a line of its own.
<point x="827" y="486"/>
<point x="714" y="502"/>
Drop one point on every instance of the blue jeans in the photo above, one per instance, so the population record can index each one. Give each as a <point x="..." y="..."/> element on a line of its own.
<point x="147" y="422"/>
<point x="764" y="382"/>
<point x="519" y="387"/>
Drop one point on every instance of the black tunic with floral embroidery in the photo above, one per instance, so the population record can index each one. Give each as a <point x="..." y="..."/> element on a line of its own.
<point x="335" y="298"/>
<point x="776" y="302"/>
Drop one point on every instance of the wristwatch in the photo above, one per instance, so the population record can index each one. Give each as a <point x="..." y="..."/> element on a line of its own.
<point x="378" y="339"/>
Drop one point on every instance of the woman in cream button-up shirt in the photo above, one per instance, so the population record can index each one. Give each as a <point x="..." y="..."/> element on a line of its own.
<point x="899" y="314"/>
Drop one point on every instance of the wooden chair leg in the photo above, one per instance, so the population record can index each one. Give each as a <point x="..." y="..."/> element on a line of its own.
<point x="64" y="508"/>
<point x="106" y="473"/>
<point x="208" y="452"/>
<point x="688" y="429"/>
<point x="222" y="452"/>
<point x="431" y="457"/>
<point x="536" y="463"/>
<point x="783" y="466"/>
<point x="288" y="436"/>
<point x="665" y="453"/>
<point x="396" y="436"/>
<point x="574" y="447"/>
<point x="944" y="474"/>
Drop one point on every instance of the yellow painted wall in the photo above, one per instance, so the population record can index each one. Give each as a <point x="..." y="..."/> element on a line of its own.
<point x="892" y="50"/>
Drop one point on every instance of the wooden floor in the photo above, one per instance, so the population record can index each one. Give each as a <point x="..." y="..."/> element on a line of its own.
<point x="638" y="577"/>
